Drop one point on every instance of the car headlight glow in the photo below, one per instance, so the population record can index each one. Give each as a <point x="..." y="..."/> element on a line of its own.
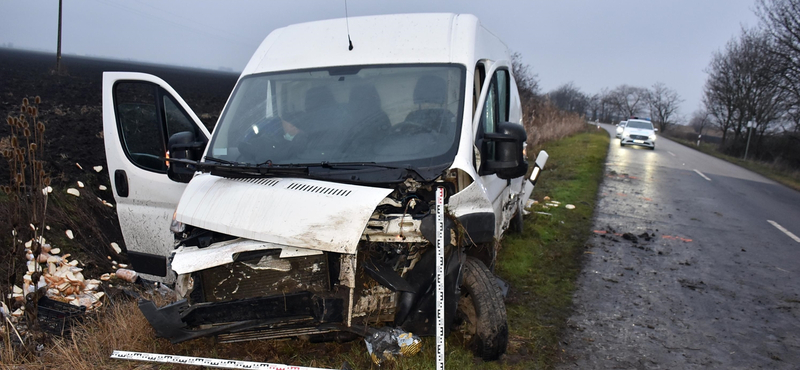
<point x="653" y="137"/>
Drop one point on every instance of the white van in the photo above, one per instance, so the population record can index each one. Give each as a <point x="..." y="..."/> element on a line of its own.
<point x="308" y="212"/>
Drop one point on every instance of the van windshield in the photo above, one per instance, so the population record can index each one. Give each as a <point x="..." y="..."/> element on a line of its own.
<point x="406" y="115"/>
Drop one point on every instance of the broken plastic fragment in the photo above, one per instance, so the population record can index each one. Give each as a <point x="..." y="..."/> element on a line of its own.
<point x="69" y="234"/>
<point x="97" y="168"/>
<point x="80" y="184"/>
<point x="73" y="191"/>
<point x="386" y="343"/>
<point x="116" y="248"/>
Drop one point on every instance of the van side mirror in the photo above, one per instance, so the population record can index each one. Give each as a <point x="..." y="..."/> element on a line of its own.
<point x="655" y="130"/>
<point x="509" y="160"/>
<point x="183" y="145"/>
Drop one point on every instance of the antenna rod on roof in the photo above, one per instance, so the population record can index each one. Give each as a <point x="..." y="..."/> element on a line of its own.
<point x="347" y="21"/>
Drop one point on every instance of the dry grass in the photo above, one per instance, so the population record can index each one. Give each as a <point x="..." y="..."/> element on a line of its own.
<point x="545" y="123"/>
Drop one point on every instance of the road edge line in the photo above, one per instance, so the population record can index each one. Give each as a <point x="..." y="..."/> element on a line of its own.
<point x="783" y="229"/>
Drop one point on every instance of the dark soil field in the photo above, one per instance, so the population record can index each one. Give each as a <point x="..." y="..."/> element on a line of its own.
<point x="71" y="108"/>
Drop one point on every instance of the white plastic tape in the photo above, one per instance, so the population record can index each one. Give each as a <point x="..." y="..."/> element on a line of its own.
<point x="202" y="361"/>
<point x="440" y="278"/>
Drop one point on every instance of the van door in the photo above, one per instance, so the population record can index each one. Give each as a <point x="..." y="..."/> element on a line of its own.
<point x="496" y="99"/>
<point x="140" y="113"/>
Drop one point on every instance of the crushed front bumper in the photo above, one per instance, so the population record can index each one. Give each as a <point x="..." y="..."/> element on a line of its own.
<point x="267" y="317"/>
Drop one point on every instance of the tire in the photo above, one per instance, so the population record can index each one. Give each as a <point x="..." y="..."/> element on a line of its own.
<point x="517" y="224"/>
<point x="620" y="143"/>
<point x="653" y="147"/>
<point x="482" y="311"/>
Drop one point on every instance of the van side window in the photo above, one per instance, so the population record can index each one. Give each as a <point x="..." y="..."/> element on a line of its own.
<point x="489" y="118"/>
<point x="139" y="124"/>
<point x="495" y="110"/>
<point x="502" y="95"/>
<point x="178" y="120"/>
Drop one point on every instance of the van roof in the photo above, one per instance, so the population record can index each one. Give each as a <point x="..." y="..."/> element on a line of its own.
<point x="382" y="39"/>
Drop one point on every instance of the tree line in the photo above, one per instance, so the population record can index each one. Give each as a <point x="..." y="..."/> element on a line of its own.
<point x="755" y="79"/>
<point x="659" y="103"/>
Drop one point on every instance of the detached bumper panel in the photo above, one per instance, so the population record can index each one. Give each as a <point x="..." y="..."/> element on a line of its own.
<point x="179" y="322"/>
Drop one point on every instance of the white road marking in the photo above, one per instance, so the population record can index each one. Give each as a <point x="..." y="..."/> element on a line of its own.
<point x="671" y="153"/>
<point x="787" y="232"/>
<point x="701" y="174"/>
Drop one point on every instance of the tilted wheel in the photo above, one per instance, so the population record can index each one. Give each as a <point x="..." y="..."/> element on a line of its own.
<point x="482" y="311"/>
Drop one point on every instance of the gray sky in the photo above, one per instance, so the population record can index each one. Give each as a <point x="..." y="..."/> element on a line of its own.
<point x="594" y="44"/>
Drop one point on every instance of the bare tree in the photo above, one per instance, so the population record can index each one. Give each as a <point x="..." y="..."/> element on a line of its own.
<point x="628" y="101"/>
<point x="781" y="20"/>
<point x="663" y="103"/>
<point x="720" y="95"/>
<point x="700" y="120"/>
<point x="570" y="98"/>
<point x="527" y="81"/>
<point x="742" y="85"/>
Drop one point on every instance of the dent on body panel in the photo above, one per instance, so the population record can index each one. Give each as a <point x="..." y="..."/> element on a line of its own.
<point x="472" y="199"/>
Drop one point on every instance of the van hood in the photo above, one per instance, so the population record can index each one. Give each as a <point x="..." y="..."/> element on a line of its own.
<point x="302" y="213"/>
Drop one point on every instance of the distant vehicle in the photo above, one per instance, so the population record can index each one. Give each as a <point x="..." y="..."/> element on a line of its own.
<point x="310" y="209"/>
<point x="639" y="132"/>
<point x="620" y="127"/>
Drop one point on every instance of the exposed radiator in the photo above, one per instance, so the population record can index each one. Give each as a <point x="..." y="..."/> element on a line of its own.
<point x="263" y="274"/>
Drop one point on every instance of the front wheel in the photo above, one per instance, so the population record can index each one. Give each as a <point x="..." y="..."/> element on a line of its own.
<point x="482" y="311"/>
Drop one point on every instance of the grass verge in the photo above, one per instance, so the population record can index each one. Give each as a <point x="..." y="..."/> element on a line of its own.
<point x="541" y="264"/>
<point x="785" y="176"/>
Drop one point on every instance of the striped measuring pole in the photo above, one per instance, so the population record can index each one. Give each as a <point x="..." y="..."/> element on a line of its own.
<point x="440" y="278"/>
<point x="203" y="361"/>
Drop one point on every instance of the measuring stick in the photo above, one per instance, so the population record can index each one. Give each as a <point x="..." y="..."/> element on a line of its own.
<point x="202" y="361"/>
<point x="440" y="278"/>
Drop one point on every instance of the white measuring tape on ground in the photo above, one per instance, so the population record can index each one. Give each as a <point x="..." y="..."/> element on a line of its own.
<point x="440" y="278"/>
<point x="202" y="361"/>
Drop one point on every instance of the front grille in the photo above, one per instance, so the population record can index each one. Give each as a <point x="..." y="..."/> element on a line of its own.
<point x="263" y="274"/>
<point x="639" y="137"/>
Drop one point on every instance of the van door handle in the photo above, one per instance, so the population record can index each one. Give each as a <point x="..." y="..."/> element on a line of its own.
<point x="121" y="183"/>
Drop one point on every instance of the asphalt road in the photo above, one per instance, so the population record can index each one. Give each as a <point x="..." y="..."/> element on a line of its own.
<point x="716" y="286"/>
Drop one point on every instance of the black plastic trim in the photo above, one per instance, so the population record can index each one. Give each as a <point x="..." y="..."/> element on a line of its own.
<point x="146" y="263"/>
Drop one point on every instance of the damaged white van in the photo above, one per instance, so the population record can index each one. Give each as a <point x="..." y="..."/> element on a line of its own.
<point x="308" y="212"/>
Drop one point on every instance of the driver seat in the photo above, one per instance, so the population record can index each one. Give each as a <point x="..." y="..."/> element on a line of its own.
<point x="432" y="92"/>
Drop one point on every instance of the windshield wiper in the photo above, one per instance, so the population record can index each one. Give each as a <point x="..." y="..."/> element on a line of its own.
<point x="351" y="165"/>
<point x="222" y="161"/>
<point x="226" y="168"/>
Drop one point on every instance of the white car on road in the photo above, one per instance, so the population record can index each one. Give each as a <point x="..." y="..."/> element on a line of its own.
<point x="639" y="132"/>
<point x="620" y="127"/>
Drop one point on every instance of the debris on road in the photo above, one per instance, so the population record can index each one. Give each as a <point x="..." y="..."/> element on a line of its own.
<point x="569" y="206"/>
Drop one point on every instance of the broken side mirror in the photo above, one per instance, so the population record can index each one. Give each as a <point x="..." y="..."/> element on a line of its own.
<point x="183" y="145"/>
<point x="509" y="159"/>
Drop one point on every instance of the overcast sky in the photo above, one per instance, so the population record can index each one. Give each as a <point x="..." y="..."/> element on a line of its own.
<point x="594" y="44"/>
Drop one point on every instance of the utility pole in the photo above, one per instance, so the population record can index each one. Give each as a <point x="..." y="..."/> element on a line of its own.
<point x="750" y="126"/>
<point x="58" y="49"/>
